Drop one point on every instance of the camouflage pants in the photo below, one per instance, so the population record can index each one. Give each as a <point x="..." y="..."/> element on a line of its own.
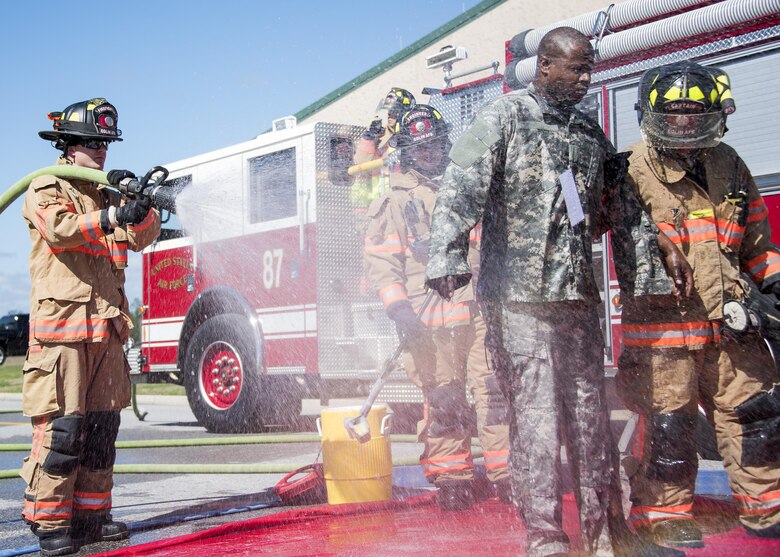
<point x="549" y="358"/>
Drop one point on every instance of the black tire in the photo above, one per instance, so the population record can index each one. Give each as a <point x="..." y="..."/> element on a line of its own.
<point x="3" y="353"/>
<point x="224" y="344"/>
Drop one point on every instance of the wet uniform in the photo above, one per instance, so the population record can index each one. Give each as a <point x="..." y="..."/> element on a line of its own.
<point x="676" y="354"/>
<point x="76" y="377"/>
<point x="540" y="296"/>
<point x="396" y="253"/>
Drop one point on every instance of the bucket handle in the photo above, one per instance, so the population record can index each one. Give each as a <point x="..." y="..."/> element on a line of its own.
<point x="386" y="424"/>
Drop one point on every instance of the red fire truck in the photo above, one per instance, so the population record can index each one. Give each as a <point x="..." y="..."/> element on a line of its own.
<point x="267" y="303"/>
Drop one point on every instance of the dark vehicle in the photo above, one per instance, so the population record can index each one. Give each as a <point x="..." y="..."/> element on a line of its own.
<point x="14" y="333"/>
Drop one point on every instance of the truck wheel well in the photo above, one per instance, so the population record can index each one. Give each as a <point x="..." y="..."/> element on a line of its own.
<point x="218" y="300"/>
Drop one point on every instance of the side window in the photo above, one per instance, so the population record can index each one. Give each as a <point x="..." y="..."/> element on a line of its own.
<point x="272" y="186"/>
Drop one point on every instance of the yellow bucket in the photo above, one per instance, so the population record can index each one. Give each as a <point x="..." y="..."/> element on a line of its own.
<point x="356" y="472"/>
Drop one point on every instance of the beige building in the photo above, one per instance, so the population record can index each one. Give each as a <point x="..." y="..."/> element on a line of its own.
<point x="483" y="31"/>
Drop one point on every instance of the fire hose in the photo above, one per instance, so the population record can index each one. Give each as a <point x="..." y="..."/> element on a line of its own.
<point x="152" y="185"/>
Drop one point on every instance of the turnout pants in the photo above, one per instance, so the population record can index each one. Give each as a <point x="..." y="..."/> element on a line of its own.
<point x="666" y="384"/>
<point x="459" y="358"/>
<point x="550" y="360"/>
<point x="73" y="394"/>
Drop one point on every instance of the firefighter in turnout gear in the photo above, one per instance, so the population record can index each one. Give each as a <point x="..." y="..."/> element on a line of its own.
<point x="444" y="347"/>
<point x="76" y="376"/>
<point x="676" y="351"/>
<point x="533" y="169"/>
<point x="375" y="144"/>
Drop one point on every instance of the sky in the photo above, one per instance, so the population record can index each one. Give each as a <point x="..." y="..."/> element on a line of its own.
<point x="186" y="76"/>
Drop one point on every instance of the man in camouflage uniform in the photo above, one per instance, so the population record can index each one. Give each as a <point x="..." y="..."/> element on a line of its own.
<point x="532" y="167"/>
<point x="676" y="351"/>
<point x="76" y="376"/>
<point x="445" y="347"/>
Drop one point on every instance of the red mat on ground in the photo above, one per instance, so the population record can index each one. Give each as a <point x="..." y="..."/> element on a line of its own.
<point x="411" y="527"/>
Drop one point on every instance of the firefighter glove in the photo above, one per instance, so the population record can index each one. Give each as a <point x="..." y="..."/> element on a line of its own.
<point x="116" y="176"/>
<point x="411" y="330"/>
<point x="134" y="211"/>
<point x="375" y="131"/>
<point x="772" y="289"/>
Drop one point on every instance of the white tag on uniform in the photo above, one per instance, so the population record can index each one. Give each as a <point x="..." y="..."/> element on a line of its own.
<point x="572" y="198"/>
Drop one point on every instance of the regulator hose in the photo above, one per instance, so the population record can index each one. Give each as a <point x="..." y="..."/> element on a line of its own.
<point x="60" y="171"/>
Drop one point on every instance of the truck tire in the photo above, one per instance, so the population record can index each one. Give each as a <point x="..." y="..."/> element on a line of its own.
<point x="223" y="380"/>
<point x="3" y="353"/>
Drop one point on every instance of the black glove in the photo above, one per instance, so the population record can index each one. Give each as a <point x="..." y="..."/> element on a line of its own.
<point x="116" y="176"/>
<point x="134" y="211"/>
<point x="375" y="130"/>
<point x="772" y="289"/>
<point x="411" y="330"/>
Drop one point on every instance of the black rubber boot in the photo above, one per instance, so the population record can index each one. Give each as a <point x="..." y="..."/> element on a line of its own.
<point x="634" y="546"/>
<point x="455" y="495"/>
<point x="101" y="528"/>
<point x="681" y="532"/>
<point x="503" y="489"/>
<point x="770" y="532"/>
<point x="55" y="542"/>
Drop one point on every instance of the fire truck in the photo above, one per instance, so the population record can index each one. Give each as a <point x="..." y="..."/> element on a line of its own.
<point x="266" y="302"/>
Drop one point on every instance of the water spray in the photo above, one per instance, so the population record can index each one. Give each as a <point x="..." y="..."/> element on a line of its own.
<point x="358" y="427"/>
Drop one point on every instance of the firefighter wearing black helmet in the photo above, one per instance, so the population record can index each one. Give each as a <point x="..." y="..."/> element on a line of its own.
<point x="676" y="352"/>
<point x="375" y="144"/>
<point x="76" y="377"/>
<point x="446" y="345"/>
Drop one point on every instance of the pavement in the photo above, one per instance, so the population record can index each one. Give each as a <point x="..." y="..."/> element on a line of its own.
<point x="147" y="497"/>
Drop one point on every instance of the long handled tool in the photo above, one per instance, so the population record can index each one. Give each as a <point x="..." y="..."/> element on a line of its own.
<point x="358" y="427"/>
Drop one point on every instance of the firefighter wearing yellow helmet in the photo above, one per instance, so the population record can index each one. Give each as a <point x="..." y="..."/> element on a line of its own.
<point x="676" y="352"/>
<point x="76" y="376"/>
<point x="374" y="144"/>
<point x="445" y="347"/>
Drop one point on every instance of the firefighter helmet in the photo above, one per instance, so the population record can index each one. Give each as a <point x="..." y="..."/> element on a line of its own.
<point x="418" y="125"/>
<point x="421" y="125"/>
<point x="92" y="119"/>
<point x="684" y="105"/>
<point x="396" y="102"/>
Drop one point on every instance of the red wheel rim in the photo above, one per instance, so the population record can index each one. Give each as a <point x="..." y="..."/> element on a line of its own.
<point x="221" y="375"/>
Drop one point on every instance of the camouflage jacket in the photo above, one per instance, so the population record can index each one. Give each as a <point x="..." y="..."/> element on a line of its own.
<point x="506" y="168"/>
<point x="78" y="271"/>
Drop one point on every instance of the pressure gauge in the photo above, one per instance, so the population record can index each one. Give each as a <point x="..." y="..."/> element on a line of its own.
<point x="736" y="316"/>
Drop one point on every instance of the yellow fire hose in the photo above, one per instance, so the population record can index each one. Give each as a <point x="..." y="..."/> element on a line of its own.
<point x="364" y="167"/>
<point x="248" y="468"/>
<point x="61" y="171"/>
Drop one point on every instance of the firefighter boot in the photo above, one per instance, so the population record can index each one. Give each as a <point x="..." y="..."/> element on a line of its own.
<point x="770" y="532"/>
<point x="680" y="532"/>
<point x="503" y="489"/>
<point x="98" y="528"/>
<point x="55" y="542"/>
<point x="455" y="495"/>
